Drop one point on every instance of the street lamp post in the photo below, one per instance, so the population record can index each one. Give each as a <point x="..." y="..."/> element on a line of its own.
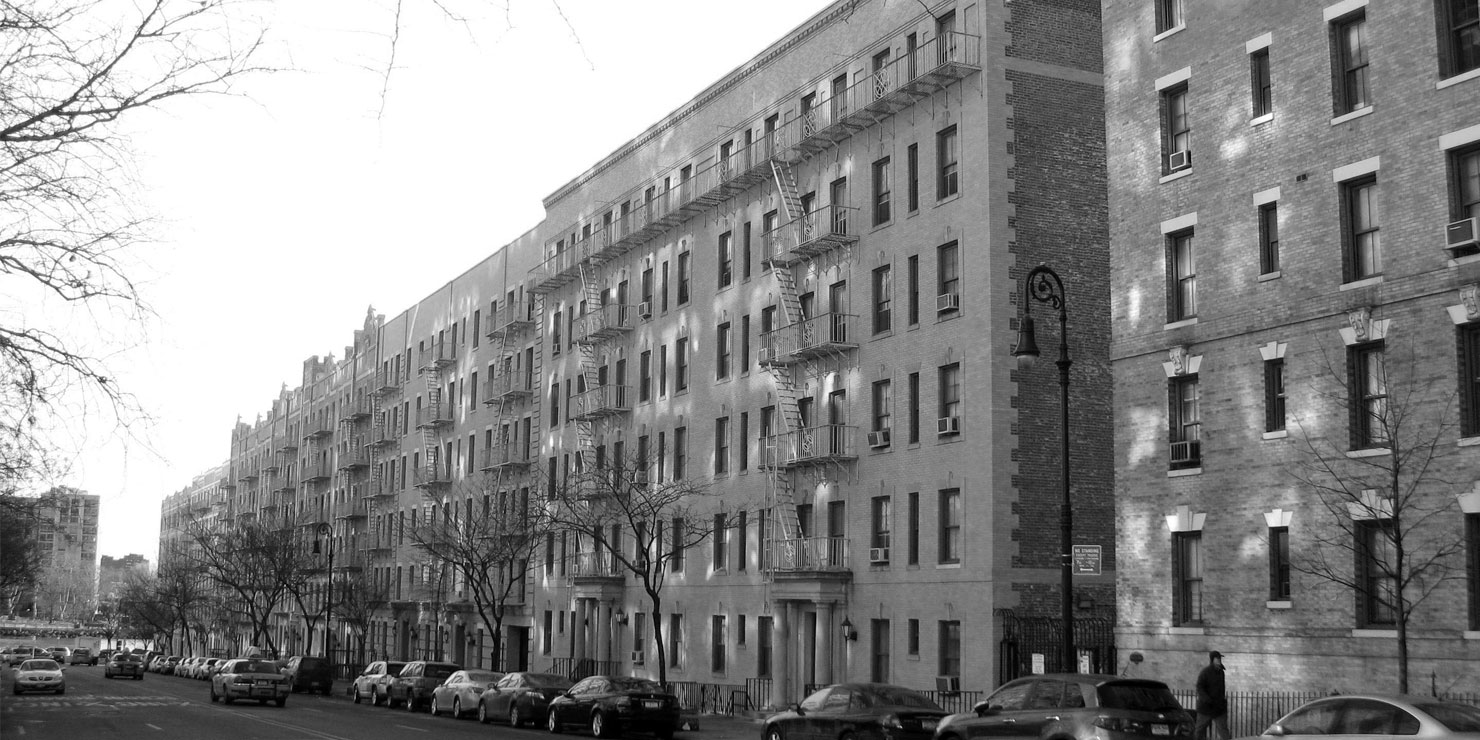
<point x="1044" y="286"/>
<point x="326" y="533"/>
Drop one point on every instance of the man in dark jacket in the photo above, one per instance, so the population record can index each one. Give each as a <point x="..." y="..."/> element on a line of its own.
<point x="1212" y="701"/>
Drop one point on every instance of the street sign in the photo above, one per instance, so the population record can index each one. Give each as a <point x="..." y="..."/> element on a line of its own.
<point x="1086" y="560"/>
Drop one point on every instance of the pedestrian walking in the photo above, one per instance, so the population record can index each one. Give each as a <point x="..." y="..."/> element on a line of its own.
<point x="1212" y="701"/>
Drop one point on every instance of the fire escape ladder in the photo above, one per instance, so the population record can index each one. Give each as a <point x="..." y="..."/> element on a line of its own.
<point x="786" y="184"/>
<point x="786" y="281"/>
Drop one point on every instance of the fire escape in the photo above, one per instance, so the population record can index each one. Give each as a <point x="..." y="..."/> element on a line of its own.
<point x="435" y="416"/>
<point x="382" y="489"/>
<point x="353" y="456"/>
<point x="508" y="391"/>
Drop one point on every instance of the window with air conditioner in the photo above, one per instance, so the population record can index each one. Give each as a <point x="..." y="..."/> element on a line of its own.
<point x="1462" y="235"/>
<point x="1176" y="130"/>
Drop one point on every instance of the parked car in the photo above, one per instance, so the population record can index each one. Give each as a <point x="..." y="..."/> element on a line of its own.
<point x="20" y="655"/>
<point x="611" y="705"/>
<point x="207" y="668"/>
<point x="867" y="709"/>
<point x="374" y="683"/>
<point x="1066" y="706"/>
<point x="459" y="693"/>
<point x="1369" y="715"/>
<point x="249" y="678"/>
<point x="124" y="664"/>
<point x="306" y="673"/>
<point x="39" y="674"/>
<point x="167" y="667"/>
<point x="59" y="654"/>
<point x="521" y="697"/>
<point x="413" y="685"/>
<point x="82" y="656"/>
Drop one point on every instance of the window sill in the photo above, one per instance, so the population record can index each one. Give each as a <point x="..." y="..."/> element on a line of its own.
<point x="1179" y="324"/>
<point x="954" y="313"/>
<point x="1386" y="634"/>
<point x="1468" y="442"/>
<point x="1179" y="174"/>
<point x="1277" y="434"/>
<point x="1184" y="472"/>
<point x="1168" y="32"/>
<point x="1358" y="113"/>
<point x="948" y="566"/>
<point x="1261" y="120"/>
<point x="1473" y="74"/>
<point x="1472" y="635"/>
<point x="1277" y="605"/>
<point x="881" y="226"/>
<point x="1374" y="452"/>
<point x="948" y="199"/>
<point x="1269" y="276"/>
<point x="1363" y="283"/>
<point x="1187" y="630"/>
<point x="1465" y="260"/>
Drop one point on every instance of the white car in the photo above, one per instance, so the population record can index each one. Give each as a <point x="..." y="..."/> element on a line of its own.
<point x="40" y="674"/>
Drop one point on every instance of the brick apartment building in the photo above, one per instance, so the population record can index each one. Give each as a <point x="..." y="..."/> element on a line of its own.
<point x="1292" y="209"/>
<point x="799" y="289"/>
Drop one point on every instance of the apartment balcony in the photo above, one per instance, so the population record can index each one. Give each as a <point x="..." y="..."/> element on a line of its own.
<point x="354" y="508"/>
<point x="285" y="484"/>
<point x="381" y="545"/>
<point x="505" y="457"/>
<point x="200" y="505"/>
<point x="357" y="408"/>
<point x="316" y="471"/>
<point x="246" y="515"/>
<point x="248" y="475"/>
<point x="287" y="445"/>
<point x="227" y="483"/>
<point x="384" y="488"/>
<point x="352" y="454"/>
<point x="382" y="435"/>
<point x="386" y="382"/>
<point x="512" y="319"/>
<point x="604" y="323"/>
<point x="814" y="234"/>
<point x="557" y="270"/>
<point x="601" y="402"/>
<point x="507" y="387"/>
<point x="432" y="476"/>
<point x="437" y="356"/>
<point x="813" y="445"/>
<point x="827" y="334"/>
<point x="317" y="429"/>
<point x="271" y="465"/>
<point x="808" y="555"/>
<point x="434" y="415"/>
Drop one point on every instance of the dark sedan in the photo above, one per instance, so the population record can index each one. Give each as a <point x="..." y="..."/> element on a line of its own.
<point x="871" y="710"/>
<point x="610" y="705"/>
<point x="521" y="697"/>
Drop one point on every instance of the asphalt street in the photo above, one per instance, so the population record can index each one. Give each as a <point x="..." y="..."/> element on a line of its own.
<point x="170" y="708"/>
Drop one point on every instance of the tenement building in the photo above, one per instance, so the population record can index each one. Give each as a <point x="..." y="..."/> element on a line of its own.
<point x="1296" y="339"/>
<point x="793" y="299"/>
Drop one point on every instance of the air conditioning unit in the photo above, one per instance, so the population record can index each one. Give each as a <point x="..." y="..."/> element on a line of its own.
<point x="948" y="425"/>
<point x="947" y="302"/>
<point x="1462" y="234"/>
<point x="948" y="684"/>
<point x="878" y="554"/>
<point x="1179" y="160"/>
<point x="645" y="309"/>
<point x="639" y="657"/>
<point x="765" y="355"/>
<point x="878" y="439"/>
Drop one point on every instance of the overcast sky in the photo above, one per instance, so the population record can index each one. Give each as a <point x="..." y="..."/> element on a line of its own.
<point x="290" y="208"/>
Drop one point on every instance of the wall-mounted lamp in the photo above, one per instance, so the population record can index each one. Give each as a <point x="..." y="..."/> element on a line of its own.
<point x="621" y="617"/>
<point x="849" y="634"/>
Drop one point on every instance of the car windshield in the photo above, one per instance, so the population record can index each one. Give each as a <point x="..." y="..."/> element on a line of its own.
<point x="40" y="665"/>
<point x="894" y="696"/>
<point x="1138" y="697"/>
<point x="256" y="666"/>
<point x="1457" y="717"/>
<point x="625" y="683"/>
<point x="547" y="681"/>
<point x="440" y="671"/>
<point x="483" y="676"/>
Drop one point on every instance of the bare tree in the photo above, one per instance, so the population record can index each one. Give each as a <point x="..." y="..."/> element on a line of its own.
<point x="20" y="555"/>
<point x="65" y="592"/>
<point x="358" y="598"/>
<point x="664" y="519"/>
<point x="490" y="543"/>
<point x="1389" y="533"/>
<point x="144" y="611"/>
<point x="252" y="563"/>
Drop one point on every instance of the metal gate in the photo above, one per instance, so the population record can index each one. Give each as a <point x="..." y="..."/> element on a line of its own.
<point x="1023" y="636"/>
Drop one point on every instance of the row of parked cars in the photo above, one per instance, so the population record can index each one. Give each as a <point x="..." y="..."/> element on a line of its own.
<point x="608" y="705"/>
<point x="14" y="656"/>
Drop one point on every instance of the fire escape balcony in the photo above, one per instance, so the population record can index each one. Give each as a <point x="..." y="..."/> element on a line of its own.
<point x="808" y="555"/>
<point x="506" y="387"/>
<point x="604" y="323"/>
<point x="382" y="489"/>
<point x="813" y="445"/>
<point x="354" y="508"/>
<point x="386" y="382"/>
<point x="505" y="457"/>
<point x="271" y="465"/>
<point x="815" y="233"/>
<point x="593" y="567"/>
<point x="432" y="476"/>
<point x="316" y="471"/>
<point x="601" y="402"/>
<point x="820" y="335"/>
<point x="317" y="429"/>
<point x="285" y="483"/>
<point x="440" y="354"/>
<point x="357" y="408"/>
<point x="434" y="415"/>
<point x="557" y="270"/>
<point x="201" y="504"/>
<point x="352" y="453"/>
<point x="381" y="435"/>
<point x="512" y="319"/>
<point x="248" y="475"/>
<point x="287" y="445"/>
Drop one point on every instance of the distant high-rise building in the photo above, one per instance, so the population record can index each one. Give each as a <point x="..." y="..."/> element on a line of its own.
<point x="66" y="535"/>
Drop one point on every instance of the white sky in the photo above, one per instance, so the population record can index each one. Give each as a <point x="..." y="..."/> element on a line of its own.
<point x="292" y="208"/>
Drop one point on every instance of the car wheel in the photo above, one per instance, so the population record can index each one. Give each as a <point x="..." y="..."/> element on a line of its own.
<point x="599" y="727"/>
<point x="457" y="711"/>
<point x="214" y="698"/>
<point x="281" y="701"/>
<point x="376" y="697"/>
<point x="356" y="692"/>
<point x="775" y="733"/>
<point x="410" y="703"/>
<point x="552" y="723"/>
<point x="483" y="713"/>
<point x="432" y="707"/>
<point x="516" y="719"/>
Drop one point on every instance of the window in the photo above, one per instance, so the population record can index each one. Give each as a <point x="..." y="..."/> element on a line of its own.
<point x="1350" y="75"/>
<point x="912" y="637"/>
<point x="1472" y="572"/>
<point x="1279" y="563"/>
<point x="1184" y="277"/>
<point x="879" y="519"/>
<point x="763" y="646"/>
<point x="680" y="452"/>
<point x="742" y="557"/>
<point x="745" y="253"/>
<point x="1186" y="423"/>
<point x="879" y="650"/>
<point x="717" y="643"/>
<point x="1269" y="238"/>
<point x="1260" y="85"/>
<point x="722" y="351"/>
<point x="947" y="180"/>
<point x="1176" y="132"/>
<point x="726" y="259"/>
<point x="744" y="441"/>
<point x="950" y="526"/>
<point x="914" y="408"/>
<point x="662" y="370"/>
<point x="681" y="365"/>
<point x="685" y="272"/>
<point x="912" y="173"/>
<point x="1187" y="575"/>
<point x="1369" y="396"/>
<point x="555" y="343"/>
<point x="663" y="287"/>
<point x="913" y="288"/>
<point x="1377" y="585"/>
<point x="1274" y="395"/>
<point x="722" y="445"/>
<point x="1459" y="40"/>
<point x="768" y="229"/>
<point x="1469" y="379"/>
<point x="1360" y="219"/>
<point x="1465" y="168"/>
<point x="719" y="542"/>
<point x="675" y="640"/>
<point x="883" y="410"/>
<point x="645" y="375"/>
<point x="882" y="192"/>
<point x="948" y="275"/>
<point x="950" y="648"/>
<point x="950" y="396"/>
<point x="883" y="298"/>
<point x="1168" y="15"/>
<point x="913" y="515"/>
<point x="662" y="461"/>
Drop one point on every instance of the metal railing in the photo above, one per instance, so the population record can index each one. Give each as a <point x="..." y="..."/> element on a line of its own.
<point x="439" y="353"/>
<point x="811" y="337"/>
<point x="604" y="322"/>
<point x="808" y="554"/>
<point x="606" y="400"/>
<point x="814" y="444"/>
<point x="811" y="234"/>
<point x="434" y="414"/>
